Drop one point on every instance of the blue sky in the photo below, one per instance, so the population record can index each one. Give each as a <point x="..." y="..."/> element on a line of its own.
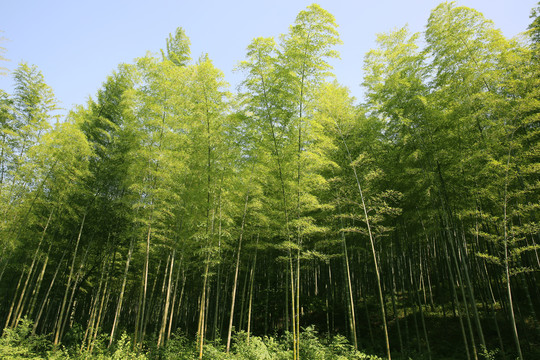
<point x="76" y="44"/>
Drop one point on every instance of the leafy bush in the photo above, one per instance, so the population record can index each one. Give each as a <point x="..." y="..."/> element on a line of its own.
<point x="123" y="350"/>
<point x="255" y="349"/>
<point x="179" y="347"/>
<point x="488" y="355"/>
<point x="19" y="343"/>
<point x="312" y="346"/>
<point x="278" y="348"/>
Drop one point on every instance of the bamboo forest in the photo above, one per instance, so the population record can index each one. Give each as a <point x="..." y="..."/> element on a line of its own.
<point x="172" y="217"/>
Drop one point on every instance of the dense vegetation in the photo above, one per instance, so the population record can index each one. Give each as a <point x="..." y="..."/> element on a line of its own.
<point x="169" y="218"/>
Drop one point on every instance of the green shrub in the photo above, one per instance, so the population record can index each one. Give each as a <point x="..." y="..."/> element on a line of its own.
<point x="179" y="347"/>
<point x="278" y="348"/>
<point x="123" y="350"/>
<point x="255" y="349"/>
<point x="214" y="351"/>
<point x="311" y="347"/>
<point x="19" y="343"/>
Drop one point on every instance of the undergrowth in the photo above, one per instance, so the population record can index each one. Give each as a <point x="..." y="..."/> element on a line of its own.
<point x="19" y="343"/>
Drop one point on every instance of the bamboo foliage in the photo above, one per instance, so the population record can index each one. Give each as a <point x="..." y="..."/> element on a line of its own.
<point x="168" y="208"/>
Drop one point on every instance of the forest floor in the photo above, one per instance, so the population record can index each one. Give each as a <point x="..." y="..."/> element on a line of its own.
<point x="446" y="343"/>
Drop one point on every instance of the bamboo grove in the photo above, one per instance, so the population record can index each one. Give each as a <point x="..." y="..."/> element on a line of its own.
<point x="169" y="205"/>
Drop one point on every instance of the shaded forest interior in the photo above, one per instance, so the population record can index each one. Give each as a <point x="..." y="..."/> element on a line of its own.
<point x="170" y="216"/>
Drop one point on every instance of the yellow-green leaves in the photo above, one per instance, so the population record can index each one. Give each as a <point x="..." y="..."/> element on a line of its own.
<point x="310" y="43"/>
<point x="178" y="51"/>
<point x="464" y="45"/>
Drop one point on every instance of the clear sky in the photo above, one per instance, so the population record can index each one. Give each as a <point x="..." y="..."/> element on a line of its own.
<point x="77" y="43"/>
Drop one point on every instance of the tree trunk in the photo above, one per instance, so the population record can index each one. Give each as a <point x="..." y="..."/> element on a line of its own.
<point x="45" y="300"/>
<point x="121" y="298"/>
<point x="201" y="327"/>
<point x="19" y="308"/>
<point x="62" y="308"/>
<point x="236" y="269"/>
<point x="103" y="303"/>
<point x="252" y="276"/>
<point x="167" y="300"/>
<point x="372" y="243"/>
<point x="139" y="323"/>
<point x="174" y="298"/>
<point x="352" y="315"/>
<point x="507" y="267"/>
<point x="37" y="288"/>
